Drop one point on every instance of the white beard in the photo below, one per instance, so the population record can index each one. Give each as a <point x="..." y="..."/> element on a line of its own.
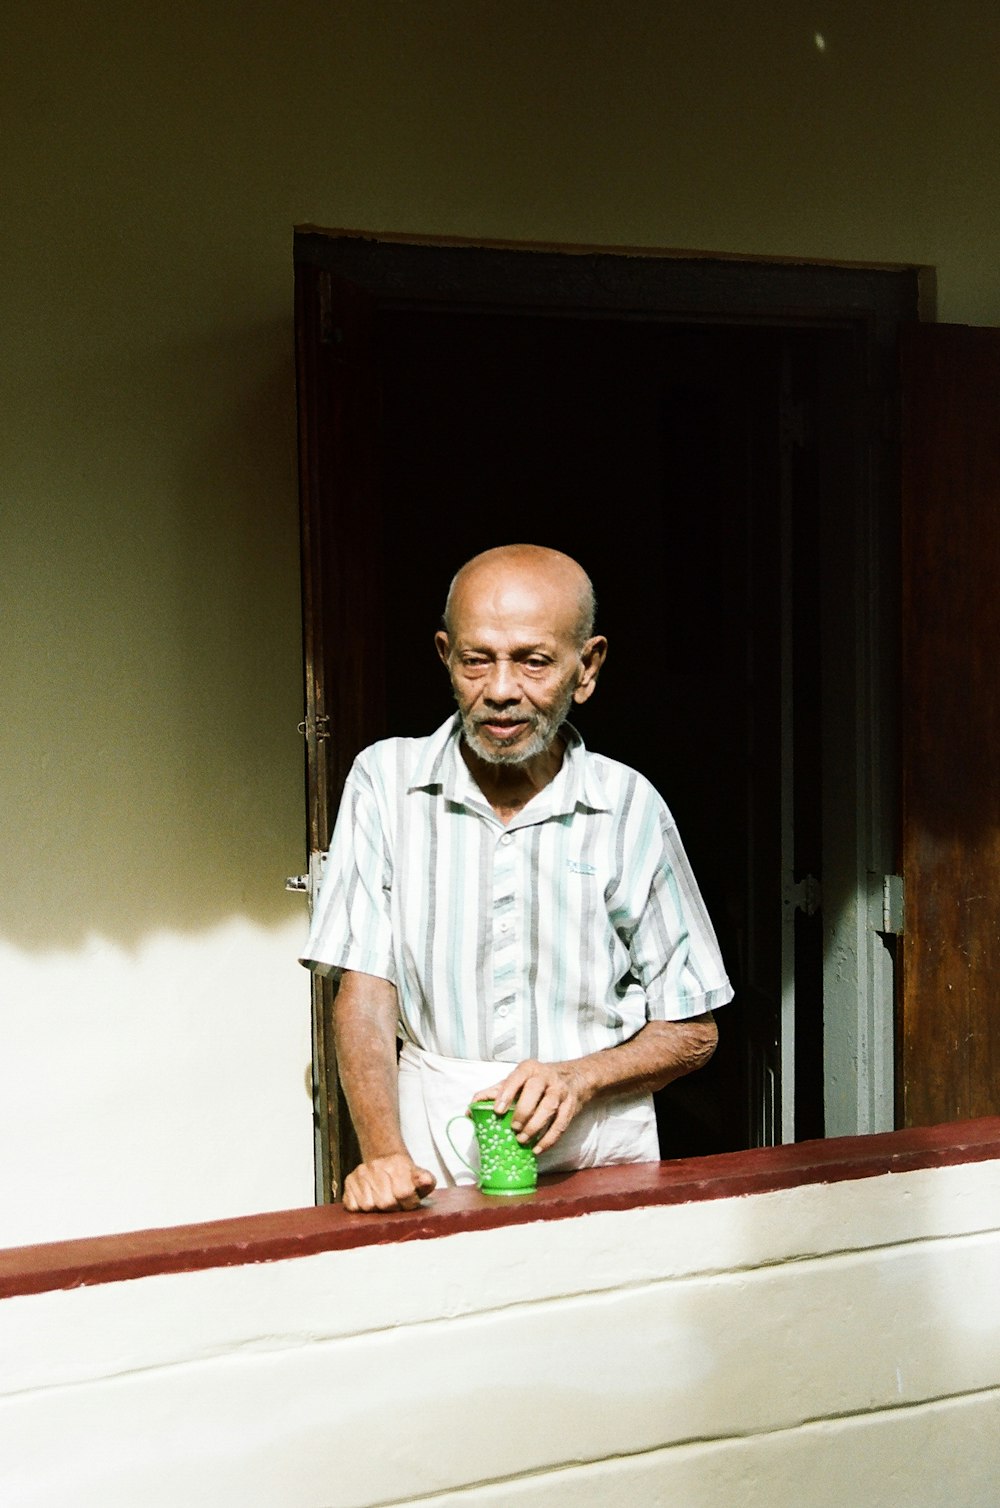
<point x="544" y="727"/>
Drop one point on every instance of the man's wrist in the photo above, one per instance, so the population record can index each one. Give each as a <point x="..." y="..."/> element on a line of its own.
<point x="379" y="1151"/>
<point x="585" y="1077"/>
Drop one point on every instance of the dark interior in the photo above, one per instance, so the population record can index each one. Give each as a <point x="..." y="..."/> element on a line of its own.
<point x="655" y="454"/>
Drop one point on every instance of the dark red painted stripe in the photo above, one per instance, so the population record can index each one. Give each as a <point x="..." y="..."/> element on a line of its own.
<point x="300" y="1233"/>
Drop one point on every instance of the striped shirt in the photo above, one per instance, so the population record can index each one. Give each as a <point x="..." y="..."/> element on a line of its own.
<point x="561" y="933"/>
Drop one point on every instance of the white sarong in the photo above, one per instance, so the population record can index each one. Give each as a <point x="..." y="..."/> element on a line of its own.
<point x="433" y="1089"/>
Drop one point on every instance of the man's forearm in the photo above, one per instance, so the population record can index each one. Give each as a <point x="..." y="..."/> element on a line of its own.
<point x="661" y="1052"/>
<point x="550" y="1095"/>
<point x="365" y="1015"/>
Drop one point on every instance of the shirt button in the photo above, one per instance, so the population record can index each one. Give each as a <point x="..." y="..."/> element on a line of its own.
<point x="505" y="926"/>
<point x="503" y="1010"/>
<point x="507" y="838"/>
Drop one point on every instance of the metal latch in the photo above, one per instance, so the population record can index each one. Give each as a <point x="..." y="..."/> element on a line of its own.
<point x="320" y="726"/>
<point x="308" y="884"/>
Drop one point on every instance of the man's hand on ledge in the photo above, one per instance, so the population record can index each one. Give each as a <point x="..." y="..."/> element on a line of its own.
<point x="387" y="1183"/>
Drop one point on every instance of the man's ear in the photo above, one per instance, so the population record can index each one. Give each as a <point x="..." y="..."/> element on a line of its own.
<point x="592" y="657"/>
<point x="443" y="645"/>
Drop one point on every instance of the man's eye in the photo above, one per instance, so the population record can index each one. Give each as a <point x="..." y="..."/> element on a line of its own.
<point x="534" y="663"/>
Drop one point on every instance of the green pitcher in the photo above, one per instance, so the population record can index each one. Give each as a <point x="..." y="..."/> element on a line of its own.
<point x="505" y="1165"/>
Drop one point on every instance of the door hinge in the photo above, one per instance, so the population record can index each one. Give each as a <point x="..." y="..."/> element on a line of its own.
<point x="893" y="907"/>
<point x="805" y="895"/>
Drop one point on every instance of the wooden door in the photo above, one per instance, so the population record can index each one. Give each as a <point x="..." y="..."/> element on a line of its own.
<point x="342" y="606"/>
<point x="949" y="1038"/>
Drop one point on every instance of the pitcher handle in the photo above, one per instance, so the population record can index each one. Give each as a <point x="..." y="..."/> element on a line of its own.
<point x="447" y="1132"/>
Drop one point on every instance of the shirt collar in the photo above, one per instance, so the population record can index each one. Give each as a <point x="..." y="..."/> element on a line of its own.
<point x="441" y="768"/>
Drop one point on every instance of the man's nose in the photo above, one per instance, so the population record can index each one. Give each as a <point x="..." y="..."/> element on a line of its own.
<point x="503" y="685"/>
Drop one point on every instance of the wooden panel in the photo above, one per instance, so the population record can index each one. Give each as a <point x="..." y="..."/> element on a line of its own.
<point x="341" y="607"/>
<point x="342" y="534"/>
<point x="950" y="1026"/>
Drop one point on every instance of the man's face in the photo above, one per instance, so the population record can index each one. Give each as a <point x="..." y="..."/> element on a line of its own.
<point x="515" y="664"/>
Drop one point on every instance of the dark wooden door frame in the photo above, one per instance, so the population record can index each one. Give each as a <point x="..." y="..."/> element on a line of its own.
<point x="379" y="273"/>
<point x="949" y="1043"/>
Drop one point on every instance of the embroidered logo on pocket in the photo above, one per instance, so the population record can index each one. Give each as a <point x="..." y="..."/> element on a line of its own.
<point x="578" y="868"/>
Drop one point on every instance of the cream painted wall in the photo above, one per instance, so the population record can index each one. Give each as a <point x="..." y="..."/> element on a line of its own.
<point x="156" y="159"/>
<point x="825" y="1345"/>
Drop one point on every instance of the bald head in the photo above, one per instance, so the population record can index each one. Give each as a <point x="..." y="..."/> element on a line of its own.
<point x="519" y="647"/>
<point x="531" y="568"/>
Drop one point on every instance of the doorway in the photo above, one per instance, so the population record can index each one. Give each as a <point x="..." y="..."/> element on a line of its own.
<point x="699" y="468"/>
<point x="652" y="453"/>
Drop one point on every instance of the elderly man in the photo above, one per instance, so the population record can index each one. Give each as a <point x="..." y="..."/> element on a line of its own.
<point x="518" y="910"/>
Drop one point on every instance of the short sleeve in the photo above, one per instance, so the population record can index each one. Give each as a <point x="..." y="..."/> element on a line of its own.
<point x="674" y="950"/>
<point x="351" y="925"/>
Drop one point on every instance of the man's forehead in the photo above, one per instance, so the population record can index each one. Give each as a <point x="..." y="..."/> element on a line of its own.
<point x="506" y="636"/>
<point x="511" y="630"/>
<point x="530" y="602"/>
